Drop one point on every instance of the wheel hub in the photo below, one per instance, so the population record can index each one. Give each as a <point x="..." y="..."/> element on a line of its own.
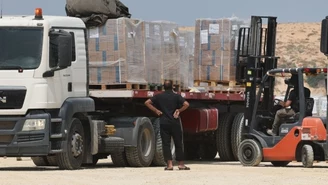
<point x="77" y="144"/>
<point x="146" y="143"/>
<point x="248" y="154"/>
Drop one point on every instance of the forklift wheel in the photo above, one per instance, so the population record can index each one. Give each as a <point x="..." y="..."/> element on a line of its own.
<point x="250" y="153"/>
<point x="307" y="156"/>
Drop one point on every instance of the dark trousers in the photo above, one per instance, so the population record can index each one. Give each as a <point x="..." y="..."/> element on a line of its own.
<point x="168" y="131"/>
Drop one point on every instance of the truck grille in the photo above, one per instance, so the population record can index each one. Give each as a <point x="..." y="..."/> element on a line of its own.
<point x="29" y="137"/>
<point x="12" y="98"/>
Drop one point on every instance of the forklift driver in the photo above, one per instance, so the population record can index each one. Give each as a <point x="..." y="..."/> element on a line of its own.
<point x="290" y="107"/>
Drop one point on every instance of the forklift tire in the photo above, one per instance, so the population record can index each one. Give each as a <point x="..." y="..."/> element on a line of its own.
<point x="250" y="153"/>
<point x="40" y="161"/>
<point x="307" y="156"/>
<point x="280" y="163"/>
<point x="119" y="159"/>
<point x="236" y="133"/>
<point x="223" y="137"/>
<point x="143" y="154"/>
<point x="75" y="147"/>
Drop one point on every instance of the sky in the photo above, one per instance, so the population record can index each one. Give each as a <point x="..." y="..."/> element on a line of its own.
<point x="185" y="12"/>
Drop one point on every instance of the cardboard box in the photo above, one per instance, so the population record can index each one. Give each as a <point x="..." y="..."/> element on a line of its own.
<point x="116" y="52"/>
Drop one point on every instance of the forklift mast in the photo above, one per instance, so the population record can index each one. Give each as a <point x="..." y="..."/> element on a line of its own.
<point x="255" y="56"/>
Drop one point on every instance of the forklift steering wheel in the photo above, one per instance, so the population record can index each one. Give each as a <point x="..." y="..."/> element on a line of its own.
<point x="277" y="101"/>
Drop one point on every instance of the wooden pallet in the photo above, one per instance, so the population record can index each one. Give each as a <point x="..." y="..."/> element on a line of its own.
<point x="211" y="83"/>
<point x="125" y="86"/>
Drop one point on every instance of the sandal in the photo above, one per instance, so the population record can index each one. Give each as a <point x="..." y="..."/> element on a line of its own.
<point x="166" y="168"/>
<point x="184" y="168"/>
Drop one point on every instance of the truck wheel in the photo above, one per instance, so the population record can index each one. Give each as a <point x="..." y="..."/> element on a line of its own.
<point x="143" y="154"/>
<point x="223" y="137"/>
<point x="236" y="133"/>
<point x="52" y="160"/>
<point x="207" y="151"/>
<point x="119" y="159"/>
<point x="280" y="163"/>
<point x="73" y="157"/>
<point x="158" y="157"/>
<point x="40" y="161"/>
<point x="250" y="153"/>
<point x="307" y="156"/>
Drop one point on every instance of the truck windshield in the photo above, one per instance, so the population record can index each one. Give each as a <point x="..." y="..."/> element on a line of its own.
<point x="20" y="47"/>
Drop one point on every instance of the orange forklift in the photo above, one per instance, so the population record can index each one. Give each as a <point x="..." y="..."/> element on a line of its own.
<point x="302" y="137"/>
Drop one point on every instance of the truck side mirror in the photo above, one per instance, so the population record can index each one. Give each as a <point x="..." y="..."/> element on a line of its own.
<point x="324" y="36"/>
<point x="61" y="49"/>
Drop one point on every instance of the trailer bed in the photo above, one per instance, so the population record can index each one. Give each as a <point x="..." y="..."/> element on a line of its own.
<point x="143" y="94"/>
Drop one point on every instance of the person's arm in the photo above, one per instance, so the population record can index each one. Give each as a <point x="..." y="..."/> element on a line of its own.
<point x="184" y="106"/>
<point x="149" y="104"/>
<point x="289" y="100"/>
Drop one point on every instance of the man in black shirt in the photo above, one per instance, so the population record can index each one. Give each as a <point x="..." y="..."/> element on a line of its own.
<point x="292" y="102"/>
<point x="168" y="106"/>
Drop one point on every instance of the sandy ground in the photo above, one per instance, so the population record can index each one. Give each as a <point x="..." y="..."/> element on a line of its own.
<point x="202" y="173"/>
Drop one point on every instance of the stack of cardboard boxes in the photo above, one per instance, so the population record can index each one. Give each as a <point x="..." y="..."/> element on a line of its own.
<point x="162" y="52"/>
<point x="187" y="58"/>
<point x="116" y="52"/>
<point x="215" y="49"/>
<point x="134" y="51"/>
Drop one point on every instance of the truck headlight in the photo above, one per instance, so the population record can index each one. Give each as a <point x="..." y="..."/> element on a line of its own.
<point x="34" y="124"/>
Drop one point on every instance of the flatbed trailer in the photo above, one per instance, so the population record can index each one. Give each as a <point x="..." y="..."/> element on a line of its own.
<point x="48" y="110"/>
<point x="207" y="124"/>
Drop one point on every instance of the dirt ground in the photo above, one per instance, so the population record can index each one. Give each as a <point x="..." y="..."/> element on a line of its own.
<point x="202" y="173"/>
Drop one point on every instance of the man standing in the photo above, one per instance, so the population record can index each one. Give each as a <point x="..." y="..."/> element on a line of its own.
<point x="168" y="106"/>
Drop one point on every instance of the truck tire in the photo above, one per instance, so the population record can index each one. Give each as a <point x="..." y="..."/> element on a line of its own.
<point x="250" y="153"/>
<point x="52" y="160"/>
<point x="143" y="154"/>
<point x="73" y="157"/>
<point x="236" y="133"/>
<point x="207" y="151"/>
<point x="158" y="156"/>
<point x="307" y="156"/>
<point x="119" y="159"/>
<point x="40" y="161"/>
<point x="223" y="137"/>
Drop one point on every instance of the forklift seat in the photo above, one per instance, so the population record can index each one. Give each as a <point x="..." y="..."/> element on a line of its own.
<point x="309" y="104"/>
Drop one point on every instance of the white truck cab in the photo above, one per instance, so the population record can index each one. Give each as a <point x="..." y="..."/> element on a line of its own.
<point x="43" y="89"/>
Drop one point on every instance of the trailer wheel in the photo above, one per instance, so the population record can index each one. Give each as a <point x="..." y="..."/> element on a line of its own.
<point x="236" y="133"/>
<point x="307" y="156"/>
<point x="250" y="153"/>
<point x="143" y="154"/>
<point x="52" y="160"/>
<point x="207" y="151"/>
<point x="280" y="163"/>
<point x="119" y="159"/>
<point x="73" y="157"/>
<point x="223" y="137"/>
<point x="40" y="161"/>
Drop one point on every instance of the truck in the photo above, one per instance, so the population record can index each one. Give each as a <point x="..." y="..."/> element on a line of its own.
<point x="49" y="113"/>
